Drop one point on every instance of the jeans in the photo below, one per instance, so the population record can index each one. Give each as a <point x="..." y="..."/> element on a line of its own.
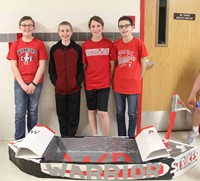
<point x="25" y="104"/>
<point x="132" y="113"/>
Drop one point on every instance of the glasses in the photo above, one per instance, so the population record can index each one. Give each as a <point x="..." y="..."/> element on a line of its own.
<point x="124" y="26"/>
<point x="29" y="26"/>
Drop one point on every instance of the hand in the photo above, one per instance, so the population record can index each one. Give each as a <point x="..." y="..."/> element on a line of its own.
<point x="31" y="89"/>
<point x="24" y="87"/>
<point x="191" y="102"/>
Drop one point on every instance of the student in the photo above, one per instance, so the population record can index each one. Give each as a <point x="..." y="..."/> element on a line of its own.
<point x="98" y="56"/>
<point x="28" y="57"/>
<point x="193" y="103"/>
<point x="128" y="74"/>
<point x="66" y="74"/>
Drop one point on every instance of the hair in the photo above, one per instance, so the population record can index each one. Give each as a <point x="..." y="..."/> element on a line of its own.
<point x="126" y="18"/>
<point x="97" y="19"/>
<point x="65" y="23"/>
<point x="24" y="18"/>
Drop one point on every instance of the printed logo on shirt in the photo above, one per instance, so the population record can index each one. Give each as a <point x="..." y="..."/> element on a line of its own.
<point x="25" y="54"/>
<point x="126" y="58"/>
<point x="97" y="52"/>
<point x="26" y="58"/>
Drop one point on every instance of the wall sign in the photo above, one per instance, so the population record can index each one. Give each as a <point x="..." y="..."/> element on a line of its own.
<point x="184" y="16"/>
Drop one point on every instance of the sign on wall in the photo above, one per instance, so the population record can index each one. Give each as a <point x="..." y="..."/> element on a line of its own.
<point x="184" y="16"/>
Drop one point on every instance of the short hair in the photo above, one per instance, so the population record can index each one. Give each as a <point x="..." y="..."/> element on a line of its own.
<point x="126" y="18"/>
<point x="24" y="18"/>
<point x="97" y="19"/>
<point x="65" y="23"/>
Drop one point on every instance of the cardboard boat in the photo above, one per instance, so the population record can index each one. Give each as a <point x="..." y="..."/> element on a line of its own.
<point x="101" y="158"/>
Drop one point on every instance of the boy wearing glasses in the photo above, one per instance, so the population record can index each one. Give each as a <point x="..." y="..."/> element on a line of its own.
<point x="28" y="57"/>
<point x="129" y="71"/>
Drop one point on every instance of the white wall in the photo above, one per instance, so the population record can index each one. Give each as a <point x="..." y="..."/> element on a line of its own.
<point x="48" y="14"/>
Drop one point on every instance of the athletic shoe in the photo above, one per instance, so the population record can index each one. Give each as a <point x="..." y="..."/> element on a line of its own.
<point x="191" y="137"/>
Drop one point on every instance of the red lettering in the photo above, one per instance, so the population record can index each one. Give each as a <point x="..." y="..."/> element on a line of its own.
<point x="102" y="158"/>
<point x="86" y="159"/>
<point x="67" y="157"/>
<point x="117" y="155"/>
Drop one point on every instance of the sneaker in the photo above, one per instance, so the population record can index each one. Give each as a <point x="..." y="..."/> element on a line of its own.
<point x="191" y="137"/>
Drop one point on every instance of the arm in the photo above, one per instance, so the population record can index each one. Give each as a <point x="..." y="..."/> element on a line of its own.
<point x="79" y="77"/>
<point x="52" y="69"/>
<point x="18" y="76"/>
<point x="143" y="66"/>
<point x="84" y="69"/>
<point x="40" y="71"/>
<point x="38" y="75"/>
<point x="195" y="89"/>
<point x="112" y="67"/>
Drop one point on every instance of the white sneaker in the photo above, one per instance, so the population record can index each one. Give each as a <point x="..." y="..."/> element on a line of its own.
<point x="191" y="137"/>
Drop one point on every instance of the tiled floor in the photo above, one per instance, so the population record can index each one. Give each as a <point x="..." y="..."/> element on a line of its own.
<point x="9" y="172"/>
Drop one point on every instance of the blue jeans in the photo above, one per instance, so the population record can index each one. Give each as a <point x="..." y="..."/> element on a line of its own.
<point x="132" y="113"/>
<point x="25" y="104"/>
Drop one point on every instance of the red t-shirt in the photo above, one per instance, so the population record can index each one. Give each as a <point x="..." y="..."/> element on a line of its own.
<point x="27" y="55"/>
<point x="128" y="70"/>
<point x="97" y="56"/>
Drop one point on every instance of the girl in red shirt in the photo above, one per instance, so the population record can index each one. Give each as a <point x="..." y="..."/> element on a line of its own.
<point x="98" y="56"/>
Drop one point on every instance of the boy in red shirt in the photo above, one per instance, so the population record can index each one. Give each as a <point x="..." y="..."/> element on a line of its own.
<point x="98" y="56"/>
<point x="129" y="71"/>
<point x="28" y="57"/>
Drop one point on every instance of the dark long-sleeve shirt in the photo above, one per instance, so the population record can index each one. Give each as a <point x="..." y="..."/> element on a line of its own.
<point x="66" y="68"/>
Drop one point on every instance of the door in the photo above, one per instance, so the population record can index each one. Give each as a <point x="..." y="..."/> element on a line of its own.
<point x="177" y="64"/>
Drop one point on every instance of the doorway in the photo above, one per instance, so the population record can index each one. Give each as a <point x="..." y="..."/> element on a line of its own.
<point x="176" y="65"/>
